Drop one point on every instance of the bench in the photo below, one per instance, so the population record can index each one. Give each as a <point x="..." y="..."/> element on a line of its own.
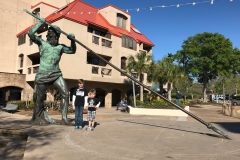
<point x="11" y="108"/>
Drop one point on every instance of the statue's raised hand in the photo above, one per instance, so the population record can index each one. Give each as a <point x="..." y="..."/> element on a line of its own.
<point x="71" y="36"/>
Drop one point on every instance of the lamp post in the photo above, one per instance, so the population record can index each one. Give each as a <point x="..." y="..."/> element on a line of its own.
<point x="236" y="90"/>
<point x="133" y="73"/>
<point x="223" y="92"/>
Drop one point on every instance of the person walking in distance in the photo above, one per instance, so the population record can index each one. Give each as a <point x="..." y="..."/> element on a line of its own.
<point x="178" y="97"/>
<point x="79" y="100"/>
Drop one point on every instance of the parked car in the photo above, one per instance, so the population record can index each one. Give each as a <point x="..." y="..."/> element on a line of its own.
<point x="235" y="100"/>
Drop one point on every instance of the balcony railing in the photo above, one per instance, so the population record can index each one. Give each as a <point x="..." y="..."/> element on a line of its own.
<point x="95" y="70"/>
<point x="33" y="69"/>
<point x="104" y="71"/>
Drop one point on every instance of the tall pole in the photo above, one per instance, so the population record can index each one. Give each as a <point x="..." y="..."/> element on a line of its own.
<point x="208" y="125"/>
<point x="134" y="95"/>
<point x="223" y="94"/>
<point x="236" y="90"/>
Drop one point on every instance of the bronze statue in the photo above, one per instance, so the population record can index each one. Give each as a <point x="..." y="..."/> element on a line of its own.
<point x="49" y="72"/>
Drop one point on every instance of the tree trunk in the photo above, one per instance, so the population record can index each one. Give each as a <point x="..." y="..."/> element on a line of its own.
<point x="204" y="88"/>
<point x="161" y="87"/>
<point x="141" y="87"/>
<point x="170" y="91"/>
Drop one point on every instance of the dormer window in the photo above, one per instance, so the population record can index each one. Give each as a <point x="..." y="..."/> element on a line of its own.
<point x="121" y="20"/>
<point x="36" y="12"/>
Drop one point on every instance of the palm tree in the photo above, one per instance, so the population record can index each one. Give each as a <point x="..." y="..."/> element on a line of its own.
<point x="140" y="63"/>
<point x="163" y="72"/>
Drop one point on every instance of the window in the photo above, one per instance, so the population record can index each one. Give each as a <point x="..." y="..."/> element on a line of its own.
<point x="35" y="69"/>
<point x="22" y="39"/>
<point x="98" y="32"/>
<point x="95" y="40"/>
<point x="90" y="30"/>
<point x="20" y="71"/>
<point x="95" y="70"/>
<point x="129" y="42"/>
<point x="121" y="20"/>
<point x="21" y="60"/>
<point x="92" y="60"/>
<point x="106" y="43"/>
<point x="123" y="64"/>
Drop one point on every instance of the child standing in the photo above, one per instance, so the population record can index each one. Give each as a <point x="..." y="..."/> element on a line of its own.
<point x="93" y="104"/>
<point x="79" y="100"/>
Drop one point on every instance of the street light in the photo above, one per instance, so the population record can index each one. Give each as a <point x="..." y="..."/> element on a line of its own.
<point x="134" y="75"/>
<point x="223" y="91"/>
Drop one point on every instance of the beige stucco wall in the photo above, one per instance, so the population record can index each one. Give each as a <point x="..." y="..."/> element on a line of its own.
<point x="110" y="13"/>
<point x="10" y="18"/>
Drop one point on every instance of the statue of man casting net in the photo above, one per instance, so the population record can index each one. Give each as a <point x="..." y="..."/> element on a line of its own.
<point x="49" y="72"/>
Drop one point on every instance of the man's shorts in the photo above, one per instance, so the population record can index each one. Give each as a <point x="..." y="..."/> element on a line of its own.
<point x="91" y="115"/>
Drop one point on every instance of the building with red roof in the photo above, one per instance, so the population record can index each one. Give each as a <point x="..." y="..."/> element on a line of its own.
<point x="107" y="31"/>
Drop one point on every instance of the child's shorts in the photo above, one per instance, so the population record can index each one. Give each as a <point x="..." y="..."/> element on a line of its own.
<point x="91" y="115"/>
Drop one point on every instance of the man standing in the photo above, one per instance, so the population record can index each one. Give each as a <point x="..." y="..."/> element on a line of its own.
<point x="178" y="97"/>
<point x="49" y="72"/>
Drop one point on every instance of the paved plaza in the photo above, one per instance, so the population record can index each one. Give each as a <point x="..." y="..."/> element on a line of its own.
<point x="123" y="136"/>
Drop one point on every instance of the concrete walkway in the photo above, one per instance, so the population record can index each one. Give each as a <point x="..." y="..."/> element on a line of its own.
<point x="122" y="136"/>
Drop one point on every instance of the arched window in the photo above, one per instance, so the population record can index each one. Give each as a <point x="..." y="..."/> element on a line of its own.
<point x="121" y="20"/>
<point x="36" y="12"/>
<point x="123" y="63"/>
<point x="21" y="56"/>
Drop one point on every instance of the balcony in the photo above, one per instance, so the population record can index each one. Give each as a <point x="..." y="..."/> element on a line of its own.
<point x="33" y="69"/>
<point x="104" y="71"/>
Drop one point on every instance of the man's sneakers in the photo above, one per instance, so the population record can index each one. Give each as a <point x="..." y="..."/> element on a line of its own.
<point x="78" y="128"/>
<point x="90" y="128"/>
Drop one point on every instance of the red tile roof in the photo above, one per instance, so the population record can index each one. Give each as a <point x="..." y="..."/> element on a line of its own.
<point x="90" y="16"/>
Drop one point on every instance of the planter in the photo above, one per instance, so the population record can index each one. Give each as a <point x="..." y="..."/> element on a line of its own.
<point x="158" y="112"/>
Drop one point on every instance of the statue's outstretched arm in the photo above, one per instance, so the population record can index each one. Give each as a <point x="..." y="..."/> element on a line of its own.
<point x="72" y="49"/>
<point x="33" y="30"/>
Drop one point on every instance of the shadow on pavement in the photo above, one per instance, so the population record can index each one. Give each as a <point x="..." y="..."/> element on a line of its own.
<point x="208" y="134"/>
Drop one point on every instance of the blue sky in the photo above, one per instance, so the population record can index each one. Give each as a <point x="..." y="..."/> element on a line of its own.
<point x="168" y="27"/>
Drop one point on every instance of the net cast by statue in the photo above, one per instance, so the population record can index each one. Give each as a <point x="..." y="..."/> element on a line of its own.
<point x="49" y="72"/>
